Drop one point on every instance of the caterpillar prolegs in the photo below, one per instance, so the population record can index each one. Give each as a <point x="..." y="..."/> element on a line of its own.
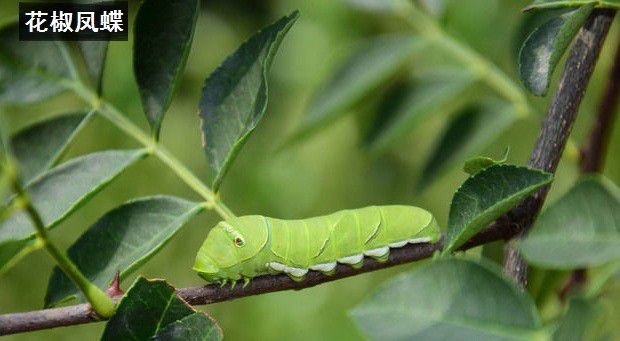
<point x="250" y="246"/>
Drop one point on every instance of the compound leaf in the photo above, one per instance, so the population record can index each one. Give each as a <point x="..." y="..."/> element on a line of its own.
<point x="234" y="97"/>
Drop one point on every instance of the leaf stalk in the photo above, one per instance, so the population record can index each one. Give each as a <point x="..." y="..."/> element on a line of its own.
<point x="114" y="116"/>
<point x="100" y="302"/>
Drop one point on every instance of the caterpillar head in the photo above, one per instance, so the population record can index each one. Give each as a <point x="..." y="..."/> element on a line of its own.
<point x="228" y="246"/>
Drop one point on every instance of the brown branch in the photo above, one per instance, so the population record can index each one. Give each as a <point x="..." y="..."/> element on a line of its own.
<point x="594" y="150"/>
<point x="557" y="126"/>
<point x="79" y="314"/>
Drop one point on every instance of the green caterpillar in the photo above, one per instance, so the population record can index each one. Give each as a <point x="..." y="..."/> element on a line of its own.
<point x="250" y="246"/>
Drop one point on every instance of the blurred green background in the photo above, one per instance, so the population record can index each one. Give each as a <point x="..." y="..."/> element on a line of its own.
<point x="327" y="172"/>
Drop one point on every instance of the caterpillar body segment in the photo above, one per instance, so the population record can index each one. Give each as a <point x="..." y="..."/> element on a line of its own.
<point x="250" y="246"/>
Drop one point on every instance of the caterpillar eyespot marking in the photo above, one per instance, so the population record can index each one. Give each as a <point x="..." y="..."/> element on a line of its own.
<point x="250" y="246"/>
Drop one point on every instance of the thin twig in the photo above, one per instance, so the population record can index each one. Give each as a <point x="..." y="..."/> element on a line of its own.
<point x="557" y="126"/>
<point x="82" y="313"/>
<point x="79" y="314"/>
<point x="594" y="150"/>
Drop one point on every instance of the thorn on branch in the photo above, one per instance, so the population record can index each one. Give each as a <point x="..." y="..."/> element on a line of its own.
<point x="115" y="291"/>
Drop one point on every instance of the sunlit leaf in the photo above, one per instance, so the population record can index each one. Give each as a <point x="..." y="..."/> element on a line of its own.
<point x="486" y="196"/>
<point x="122" y="240"/>
<point x="467" y="133"/>
<point x="163" y="37"/>
<point x="451" y="299"/>
<point x="234" y="97"/>
<point x="152" y="310"/>
<point x="38" y="147"/>
<point x="581" y="229"/>
<point x="543" y="49"/>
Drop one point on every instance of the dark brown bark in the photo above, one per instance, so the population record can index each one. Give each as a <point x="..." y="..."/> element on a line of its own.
<point x="81" y="313"/>
<point x="557" y="126"/>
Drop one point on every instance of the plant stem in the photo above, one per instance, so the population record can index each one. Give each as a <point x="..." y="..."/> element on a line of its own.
<point x="112" y="114"/>
<point x="100" y="302"/>
<point x="557" y="125"/>
<point x="207" y="294"/>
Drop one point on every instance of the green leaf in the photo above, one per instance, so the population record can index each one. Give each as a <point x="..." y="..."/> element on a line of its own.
<point x="151" y="309"/>
<point x="543" y="49"/>
<point x="468" y="133"/>
<point x="582" y="321"/>
<point x="122" y="240"/>
<point x="195" y="327"/>
<point x="40" y="146"/>
<point x="528" y="22"/>
<point x="554" y="4"/>
<point x="94" y="54"/>
<point x="372" y="64"/>
<point x="62" y="190"/>
<point x="581" y="229"/>
<point x="234" y="97"/>
<point x="486" y="196"/>
<point x="163" y="37"/>
<point x="451" y="299"/>
<point x="424" y="98"/>
<point x="31" y="71"/>
<point x="475" y="164"/>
